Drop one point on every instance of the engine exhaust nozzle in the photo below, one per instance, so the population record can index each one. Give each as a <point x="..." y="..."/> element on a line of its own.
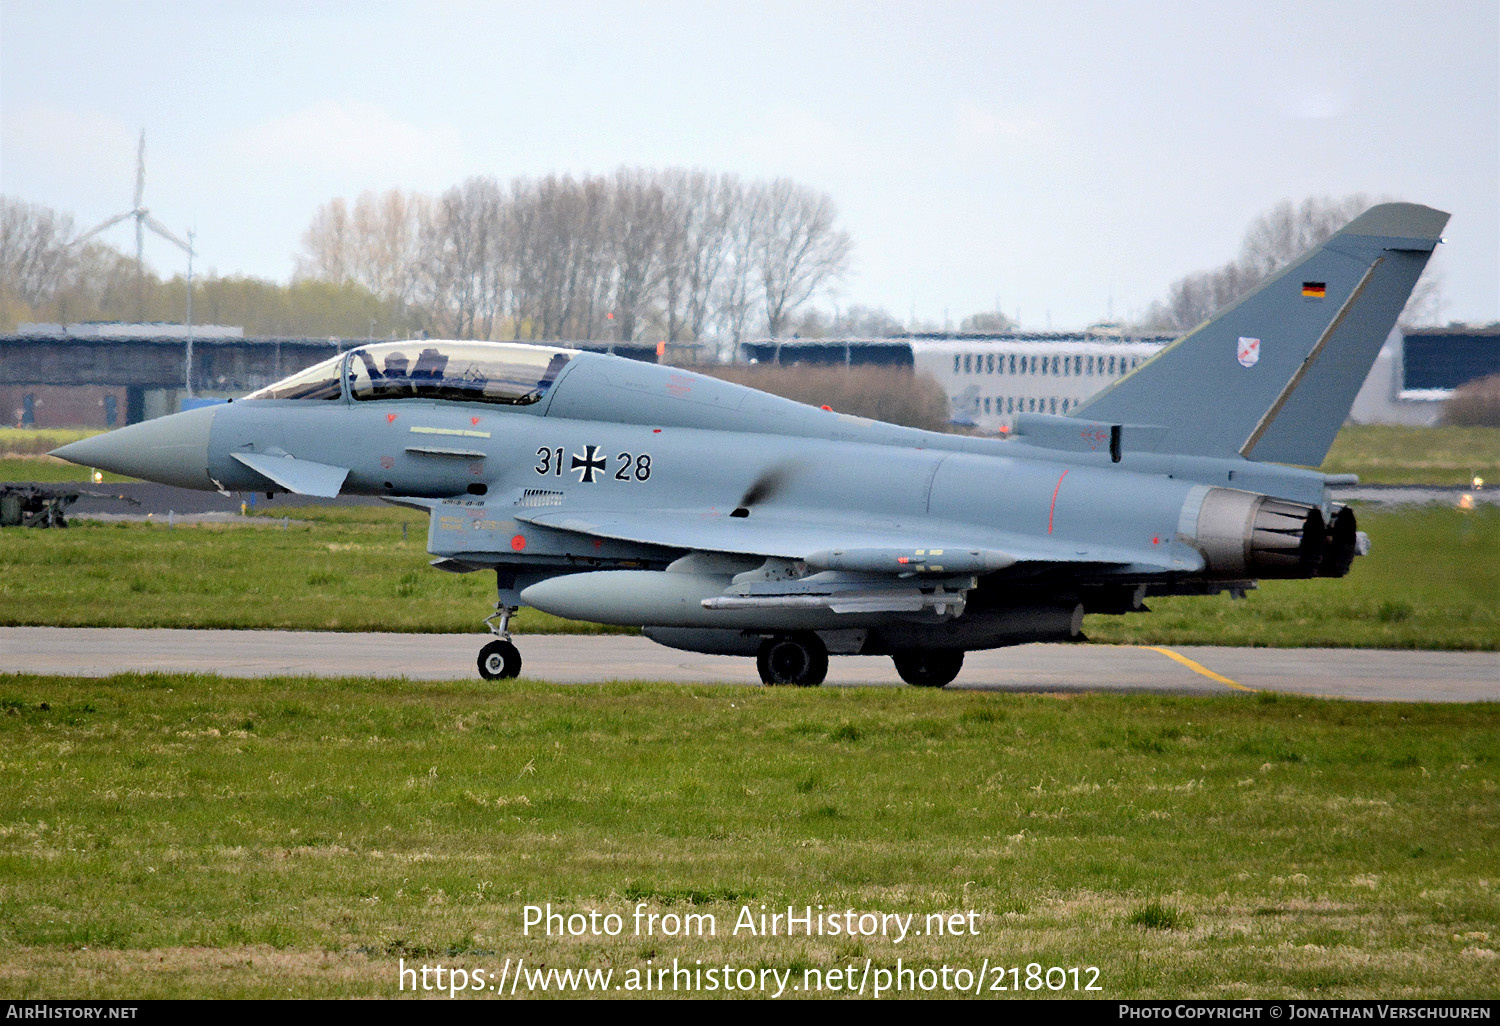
<point x="1242" y="534"/>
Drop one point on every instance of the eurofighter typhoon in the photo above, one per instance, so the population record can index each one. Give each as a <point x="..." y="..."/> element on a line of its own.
<point x="724" y="520"/>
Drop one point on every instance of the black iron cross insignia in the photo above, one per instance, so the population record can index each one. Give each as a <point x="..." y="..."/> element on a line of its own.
<point x="588" y="464"/>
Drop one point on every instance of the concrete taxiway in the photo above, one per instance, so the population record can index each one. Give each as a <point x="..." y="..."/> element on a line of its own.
<point x="576" y="659"/>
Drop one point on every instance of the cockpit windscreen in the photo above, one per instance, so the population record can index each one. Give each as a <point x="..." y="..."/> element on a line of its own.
<point x="320" y="381"/>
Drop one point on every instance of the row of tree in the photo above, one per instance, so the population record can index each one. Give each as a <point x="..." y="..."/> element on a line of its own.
<point x="640" y="254"/>
<point x="678" y="255"/>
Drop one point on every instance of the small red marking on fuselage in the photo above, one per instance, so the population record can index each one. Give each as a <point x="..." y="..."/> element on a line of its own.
<point x="828" y="408"/>
<point x="473" y="420"/>
<point x="656" y="431"/>
<point x="1055" y="489"/>
<point x="518" y="542"/>
<point x="1156" y="540"/>
<point x="390" y="418"/>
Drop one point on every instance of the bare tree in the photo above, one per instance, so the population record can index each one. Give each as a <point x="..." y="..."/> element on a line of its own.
<point x="801" y="249"/>
<point x="637" y="230"/>
<point x="36" y="252"/>
<point x="463" y="258"/>
<point x="717" y="199"/>
<point x="387" y="240"/>
<point x="326" y="245"/>
<point x="699" y="208"/>
<point x="559" y="228"/>
<point x="736" y="293"/>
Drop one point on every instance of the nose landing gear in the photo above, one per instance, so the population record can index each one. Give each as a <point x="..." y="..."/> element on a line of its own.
<point x="500" y="659"/>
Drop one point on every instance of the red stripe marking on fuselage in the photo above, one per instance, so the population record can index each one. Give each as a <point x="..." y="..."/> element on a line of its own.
<point x="1053" y="510"/>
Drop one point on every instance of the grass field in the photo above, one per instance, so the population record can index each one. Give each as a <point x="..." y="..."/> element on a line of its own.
<point x="23" y="455"/>
<point x="1385" y="454"/>
<point x="39" y="441"/>
<point x="48" y="470"/>
<point x="332" y="568"/>
<point x="171" y="836"/>
<point x="1430" y="582"/>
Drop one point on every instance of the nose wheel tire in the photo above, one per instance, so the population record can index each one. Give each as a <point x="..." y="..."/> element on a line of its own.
<point x="499" y="660"/>
<point x="800" y="659"/>
<point x="929" y="669"/>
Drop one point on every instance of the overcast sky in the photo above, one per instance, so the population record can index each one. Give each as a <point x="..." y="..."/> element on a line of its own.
<point x="1066" y="160"/>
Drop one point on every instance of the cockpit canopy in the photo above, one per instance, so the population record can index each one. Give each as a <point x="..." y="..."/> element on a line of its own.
<point x="471" y="372"/>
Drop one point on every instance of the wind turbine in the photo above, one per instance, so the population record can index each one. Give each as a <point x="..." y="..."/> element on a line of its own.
<point x="143" y="220"/>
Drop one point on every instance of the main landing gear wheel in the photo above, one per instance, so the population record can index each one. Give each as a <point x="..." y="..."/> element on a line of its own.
<point x="499" y="660"/>
<point x="929" y="669"/>
<point x="800" y="659"/>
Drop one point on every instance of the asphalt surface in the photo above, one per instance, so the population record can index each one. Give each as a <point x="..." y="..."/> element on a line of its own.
<point x="577" y="659"/>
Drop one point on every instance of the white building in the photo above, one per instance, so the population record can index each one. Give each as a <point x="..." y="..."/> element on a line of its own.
<point x="990" y="381"/>
<point x="989" y="378"/>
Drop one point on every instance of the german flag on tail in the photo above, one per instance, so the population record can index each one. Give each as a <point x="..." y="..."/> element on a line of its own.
<point x="1314" y="289"/>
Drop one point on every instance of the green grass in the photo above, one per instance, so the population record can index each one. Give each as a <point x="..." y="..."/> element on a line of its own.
<point x="173" y="836"/>
<point x="36" y="441"/>
<point x="1429" y="582"/>
<point x="49" y="470"/>
<point x="1385" y="454"/>
<point x="332" y="568"/>
<point x="23" y="455"/>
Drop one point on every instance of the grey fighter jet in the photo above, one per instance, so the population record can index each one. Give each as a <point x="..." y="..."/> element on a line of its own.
<point x="725" y="520"/>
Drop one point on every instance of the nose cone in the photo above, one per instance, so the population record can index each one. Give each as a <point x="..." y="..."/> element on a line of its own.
<point x="171" y="450"/>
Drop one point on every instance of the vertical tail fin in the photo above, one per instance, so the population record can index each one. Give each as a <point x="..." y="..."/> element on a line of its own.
<point x="1273" y="376"/>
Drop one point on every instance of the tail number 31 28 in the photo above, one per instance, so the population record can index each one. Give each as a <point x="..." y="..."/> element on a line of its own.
<point x="590" y="465"/>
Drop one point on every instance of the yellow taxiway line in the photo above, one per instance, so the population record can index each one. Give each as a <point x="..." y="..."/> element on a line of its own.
<point x="1198" y="667"/>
